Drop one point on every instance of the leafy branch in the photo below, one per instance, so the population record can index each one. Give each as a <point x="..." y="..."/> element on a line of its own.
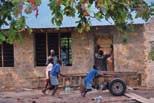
<point x="121" y="12"/>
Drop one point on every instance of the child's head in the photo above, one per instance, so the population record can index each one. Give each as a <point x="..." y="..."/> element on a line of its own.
<point x="95" y="67"/>
<point x="52" y="52"/>
<point x="101" y="52"/>
<point x="59" y="62"/>
<point x="51" y="60"/>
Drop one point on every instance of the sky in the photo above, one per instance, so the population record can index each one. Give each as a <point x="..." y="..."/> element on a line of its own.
<point x="44" y="19"/>
<point x="149" y="0"/>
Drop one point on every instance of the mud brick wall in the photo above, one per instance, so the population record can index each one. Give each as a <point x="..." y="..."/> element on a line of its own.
<point x="82" y="53"/>
<point x="25" y="74"/>
<point x="149" y="42"/>
<point x="129" y="55"/>
<point x="16" y="77"/>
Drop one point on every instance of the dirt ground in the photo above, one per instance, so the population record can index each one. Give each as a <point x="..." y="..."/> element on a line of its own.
<point x="35" y="96"/>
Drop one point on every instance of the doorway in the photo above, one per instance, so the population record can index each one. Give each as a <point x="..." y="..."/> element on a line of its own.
<point x="104" y="43"/>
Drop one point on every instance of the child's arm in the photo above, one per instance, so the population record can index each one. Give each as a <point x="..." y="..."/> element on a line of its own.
<point x="101" y="73"/>
<point x="62" y="75"/>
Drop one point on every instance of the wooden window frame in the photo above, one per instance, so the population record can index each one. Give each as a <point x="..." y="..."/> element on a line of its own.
<point x="47" y="49"/>
<point x="5" y="62"/>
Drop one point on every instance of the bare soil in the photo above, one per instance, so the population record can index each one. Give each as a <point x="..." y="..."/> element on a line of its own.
<point x="36" y="96"/>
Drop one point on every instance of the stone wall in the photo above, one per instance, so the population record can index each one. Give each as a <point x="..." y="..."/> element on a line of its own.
<point x="128" y="57"/>
<point x="149" y="39"/>
<point x="25" y="74"/>
<point x="129" y="53"/>
<point x="82" y="53"/>
<point x="23" y="65"/>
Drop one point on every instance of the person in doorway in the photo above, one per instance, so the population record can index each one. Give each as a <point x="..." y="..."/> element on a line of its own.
<point x="47" y="72"/>
<point x="110" y="65"/>
<point x="54" y="74"/>
<point x="88" y="80"/>
<point x="101" y="59"/>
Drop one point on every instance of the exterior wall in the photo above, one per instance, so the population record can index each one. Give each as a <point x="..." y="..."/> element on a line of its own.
<point x="103" y="37"/>
<point x="130" y="56"/>
<point x="25" y="74"/>
<point x="149" y="38"/>
<point x="16" y="76"/>
<point x="133" y="56"/>
<point x="82" y="53"/>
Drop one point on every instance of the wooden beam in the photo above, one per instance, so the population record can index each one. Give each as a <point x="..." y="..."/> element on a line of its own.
<point x="138" y="98"/>
<point x="152" y="100"/>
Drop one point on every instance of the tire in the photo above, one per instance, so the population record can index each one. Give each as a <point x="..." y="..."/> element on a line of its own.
<point x="117" y="87"/>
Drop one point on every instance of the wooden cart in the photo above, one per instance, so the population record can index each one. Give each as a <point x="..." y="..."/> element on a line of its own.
<point x="111" y="81"/>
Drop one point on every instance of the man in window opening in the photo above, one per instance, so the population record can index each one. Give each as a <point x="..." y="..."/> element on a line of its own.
<point x="53" y="56"/>
<point x="101" y="58"/>
<point x="54" y="74"/>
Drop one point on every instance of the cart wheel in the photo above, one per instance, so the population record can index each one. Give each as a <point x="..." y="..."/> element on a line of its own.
<point x="117" y="87"/>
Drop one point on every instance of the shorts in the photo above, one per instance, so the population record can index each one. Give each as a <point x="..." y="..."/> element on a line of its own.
<point x="54" y="80"/>
<point x="87" y="85"/>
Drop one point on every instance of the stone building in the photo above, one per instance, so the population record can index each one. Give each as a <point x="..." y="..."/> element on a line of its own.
<point x="22" y="65"/>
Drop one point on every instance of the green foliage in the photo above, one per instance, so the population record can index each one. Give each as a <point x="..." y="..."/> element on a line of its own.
<point x="2" y="37"/>
<point x="120" y="11"/>
<point x="151" y="54"/>
<point x="99" y="15"/>
<point x="10" y="15"/>
<point x="5" y="12"/>
<point x="69" y="11"/>
<point x="56" y="12"/>
<point x="37" y="2"/>
<point x="152" y="9"/>
<point x="125" y="38"/>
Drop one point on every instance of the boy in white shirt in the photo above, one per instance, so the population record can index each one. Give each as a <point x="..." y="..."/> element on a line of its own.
<point x="47" y="72"/>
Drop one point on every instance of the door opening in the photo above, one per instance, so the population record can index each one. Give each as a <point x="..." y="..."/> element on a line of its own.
<point x="103" y="53"/>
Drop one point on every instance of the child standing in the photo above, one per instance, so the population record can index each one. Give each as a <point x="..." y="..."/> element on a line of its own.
<point x="54" y="76"/>
<point x="47" y="72"/>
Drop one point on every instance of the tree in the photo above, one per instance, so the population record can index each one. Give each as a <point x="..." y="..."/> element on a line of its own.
<point x="120" y="11"/>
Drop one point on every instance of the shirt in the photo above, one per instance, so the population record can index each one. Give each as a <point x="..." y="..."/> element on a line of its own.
<point x="101" y="61"/>
<point x="48" y="68"/>
<point x="54" y="59"/>
<point x="91" y="75"/>
<point x="56" y="70"/>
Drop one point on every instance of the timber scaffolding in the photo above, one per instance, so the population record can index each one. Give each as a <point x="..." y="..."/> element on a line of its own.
<point x="131" y="78"/>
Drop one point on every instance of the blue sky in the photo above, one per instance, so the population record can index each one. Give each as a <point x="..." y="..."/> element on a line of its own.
<point x="149" y="0"/>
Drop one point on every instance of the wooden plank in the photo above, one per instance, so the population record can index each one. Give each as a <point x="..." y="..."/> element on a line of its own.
<point x="138" y="98"/>
<point x="152" y="100"/>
